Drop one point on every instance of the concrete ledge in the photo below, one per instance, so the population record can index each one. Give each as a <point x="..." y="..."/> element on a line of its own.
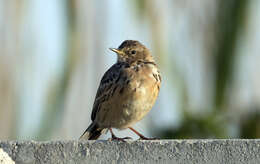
<point x="159" y="151"/>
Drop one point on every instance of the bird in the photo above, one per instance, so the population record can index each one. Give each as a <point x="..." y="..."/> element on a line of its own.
<point x="127" y="92"/>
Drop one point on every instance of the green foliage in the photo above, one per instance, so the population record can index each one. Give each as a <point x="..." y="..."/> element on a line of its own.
<point x="139" y="5"/>
<point x="199" y="127"/>
<point x="229" y="25"/>
<point x="250" y="125"/>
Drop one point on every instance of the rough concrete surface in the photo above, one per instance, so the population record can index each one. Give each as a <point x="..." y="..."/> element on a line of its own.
<point x="157" y="151"/>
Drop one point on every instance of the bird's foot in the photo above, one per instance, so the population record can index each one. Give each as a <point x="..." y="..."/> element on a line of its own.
<point x="114" y="138"/>
<point x="142" y="137"/>
<point x="146" y="138"/>
<point x="117" y="138"/>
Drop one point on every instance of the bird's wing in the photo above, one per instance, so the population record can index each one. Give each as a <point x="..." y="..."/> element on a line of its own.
<point x="107" y="86"/>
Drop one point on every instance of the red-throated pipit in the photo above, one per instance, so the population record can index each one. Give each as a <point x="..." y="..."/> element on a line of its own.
<point x="127" y="91"/>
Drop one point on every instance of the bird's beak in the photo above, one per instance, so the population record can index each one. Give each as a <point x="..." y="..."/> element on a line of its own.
<point x="116" y="51"/>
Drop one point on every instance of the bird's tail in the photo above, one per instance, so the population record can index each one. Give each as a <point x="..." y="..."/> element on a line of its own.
<point x="92" y="132"/>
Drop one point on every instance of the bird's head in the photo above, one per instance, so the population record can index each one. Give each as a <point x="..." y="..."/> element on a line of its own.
<point x="131" y="51"/>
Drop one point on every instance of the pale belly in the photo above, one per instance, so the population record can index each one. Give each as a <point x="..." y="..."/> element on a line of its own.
<point x="128" y="107"/>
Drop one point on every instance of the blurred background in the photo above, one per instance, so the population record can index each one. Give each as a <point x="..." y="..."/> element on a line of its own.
<point x="53" y="54"/>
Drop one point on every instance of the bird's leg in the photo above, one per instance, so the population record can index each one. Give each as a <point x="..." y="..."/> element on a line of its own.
<point x="117" y="138"/>
<point x="142" y="137"/>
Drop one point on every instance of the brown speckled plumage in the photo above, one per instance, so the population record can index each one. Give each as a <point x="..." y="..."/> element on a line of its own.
<point x="127" y="91"/>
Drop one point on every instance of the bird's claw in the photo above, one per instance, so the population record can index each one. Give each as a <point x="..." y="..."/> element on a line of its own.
<point x="119" y="139"/>
<point x="146" y="138"/>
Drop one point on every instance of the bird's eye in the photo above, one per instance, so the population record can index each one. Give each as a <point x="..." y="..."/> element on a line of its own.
<point x="133" y="52"/>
